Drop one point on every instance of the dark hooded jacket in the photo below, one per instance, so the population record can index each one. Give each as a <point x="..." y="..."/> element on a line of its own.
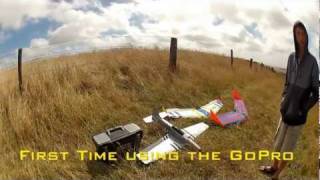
<point x="301" y="90"/>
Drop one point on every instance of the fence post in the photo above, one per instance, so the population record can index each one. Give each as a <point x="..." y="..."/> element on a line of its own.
<point x="20" y="69"/>
<point x="231" y="51"/>
<point x="173" y="55"/>
<point x="251" y="63"/>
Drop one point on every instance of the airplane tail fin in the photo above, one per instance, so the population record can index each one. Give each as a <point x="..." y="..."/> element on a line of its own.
<point x="239" y="105"/>
<point x="215" y="119"/>
<point x="236" y="95"/>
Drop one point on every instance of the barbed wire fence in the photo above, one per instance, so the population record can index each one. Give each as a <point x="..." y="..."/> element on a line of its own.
<point x="17" y="58"/>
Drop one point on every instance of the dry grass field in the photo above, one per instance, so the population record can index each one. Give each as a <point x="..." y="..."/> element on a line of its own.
<point x="69" y="99"/>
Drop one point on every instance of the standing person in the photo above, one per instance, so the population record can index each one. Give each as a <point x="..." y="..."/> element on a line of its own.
<point x="300" y="94"/>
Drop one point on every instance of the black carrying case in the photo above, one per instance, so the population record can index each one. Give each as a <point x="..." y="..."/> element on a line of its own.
<point x="120" y="139"/>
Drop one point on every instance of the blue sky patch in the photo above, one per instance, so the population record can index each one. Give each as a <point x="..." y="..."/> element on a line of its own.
<point x="252" y="29"/>
<point x="138" y="19"/>
<point x="23" y="36"/>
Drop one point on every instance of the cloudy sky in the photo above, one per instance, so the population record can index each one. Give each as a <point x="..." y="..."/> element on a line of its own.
<point x="261" y="30"/>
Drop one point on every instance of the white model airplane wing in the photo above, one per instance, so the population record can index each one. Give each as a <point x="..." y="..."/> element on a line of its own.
<point x="213" y="106"/>
<point x="159" y="148"/>
<point x="184" y="113"/>
<point x="166" y="144"/>
<point x="196" y="129"/>
<point x="202" y="112"/>
<point x="149" y="119"/>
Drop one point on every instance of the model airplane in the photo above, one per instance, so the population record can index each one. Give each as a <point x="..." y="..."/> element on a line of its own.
<point x="174" y="140"/>
<point x="237" y="116"/>
<point x="202" y="112"/>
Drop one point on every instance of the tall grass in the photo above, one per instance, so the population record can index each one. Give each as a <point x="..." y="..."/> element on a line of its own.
<point x="69" y="99"/>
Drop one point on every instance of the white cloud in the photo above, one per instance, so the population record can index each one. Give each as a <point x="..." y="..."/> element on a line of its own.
<point x="210" y="25"/>
<point x="78" y="24"/>
<point x="14" y="14"/>
<point x="39" y="42"/>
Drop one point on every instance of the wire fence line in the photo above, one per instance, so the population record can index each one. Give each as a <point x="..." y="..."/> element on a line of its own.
<point x="9" y="59"/>
<point x="15" y="58"/>
<point x="52" y="50"/>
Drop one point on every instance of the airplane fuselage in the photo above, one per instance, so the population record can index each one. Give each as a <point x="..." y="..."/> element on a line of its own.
<point x="180" y="136"/>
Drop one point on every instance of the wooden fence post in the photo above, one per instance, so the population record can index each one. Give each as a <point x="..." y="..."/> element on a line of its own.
<point x="251" y="60"/>
<point x="20" y="69"/>
<point x="231" y="51"/>
<point x="173" y="55"/>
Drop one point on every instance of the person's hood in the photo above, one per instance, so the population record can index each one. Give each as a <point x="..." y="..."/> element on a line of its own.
<point x="306" y="50"/>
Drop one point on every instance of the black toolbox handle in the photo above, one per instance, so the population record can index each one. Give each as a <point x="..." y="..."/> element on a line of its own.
<point x="109" y="131"/>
